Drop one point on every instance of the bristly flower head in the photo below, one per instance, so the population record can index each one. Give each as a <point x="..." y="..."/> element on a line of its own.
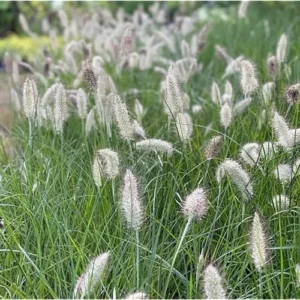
<point x="250" y="153"/>
<point x="238" y="176"/>
<point x="243" y="7"/>
<point x="284" y="173"/>
<point x="281" y="50"/>
<point x="184" y="126"/>
<point x="106" y="163"/>
<point x="249" y="81"/>
<point x="130" y="202"/>
<point x="155" y="145"/>
<point x="29" y="101"/>
<point x="226" y="115"/>
<point x="137" y="296"/>
<point x="267" y="90"/>
<point x="215" y="93"/>
<point x="81" y="104"/>
<point x="89" y="75"/>
<point x="60" y="108"/>
<point x="173" y="98"/>
<point x="195" y="204"/>
<point x="292" y="93"/>
<point x="297" y="270"/>
<point x="94" y="272"/>
<point x="258" y="244"/>
<point x="123" y="120"/>
<point x="213" y="286"/>
<point x="272" y="66"/>
<point x="281" y="202"/>
<point x="213" y="147"/>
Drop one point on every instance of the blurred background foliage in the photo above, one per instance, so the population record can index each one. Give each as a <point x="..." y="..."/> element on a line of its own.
<point x="13" y="39"/>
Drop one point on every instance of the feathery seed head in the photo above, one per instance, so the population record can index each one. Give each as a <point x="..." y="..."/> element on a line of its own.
<point x="215" y="93"/>
<point x="225" y="115"/>
<point x="281" y="202"/>
<point x="238" y="176"/>
<point x="283" y="172"/>
<point x="281" y="50"/>
<point x="195" y="204"/>
<point x="123" y="120"/>
<point x="139" y="110"/>
<point x="81" y="103"/>
<point x="137" y="296"/>
<point x="139" y="131"/>
<point x="272" y="66"/>
<point x="90" y="123"/>
<point x="173" y="98"/>
<point x="292" y="93"/>
<point x="249" y="81"/>
<point x="213" y="147"/>
<point x="131" y="202"/>
<point x="155" y="145"/>
<point x="60" y="108"/>
<point x="250" y="153"/>
<point x="106" y="163"/>
<point x="29" y="103"/>
<point x="184" y="126"/>
<point x="267" y="90"/>
<point x="243" y="7"/>
<point x="241" y="106"/>
<point x="285" y="136"/>
<point x="89" y="75"/>
<point x="228" y="93"/>
<point x="258" y="244"/>
<point x="297" y="271"/>
<point x="213" y="286"/>
<point x="94" y="272"/>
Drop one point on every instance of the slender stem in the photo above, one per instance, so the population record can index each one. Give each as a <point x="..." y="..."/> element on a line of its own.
<point x="185" y="231"/>
<point x="137" y="258"/>
<point x="281" y="258"/>
<point x="29" y="133"/>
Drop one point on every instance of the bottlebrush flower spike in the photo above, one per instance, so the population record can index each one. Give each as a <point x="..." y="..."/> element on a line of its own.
<point x="89" y="76"/>
<point x="281" y="202"/>
<point x="173" y="99"/>
<point x="267" y="90"/>
<point x="155" y="145"/>
<point x="272" y="66"/>
<point x="225" y="115"/>
<point x="228" y="93"/>
<point x="184" y="126"/>
<point x="250" y="153"/>
<point x="213" y="287"/>
<point x="137" y="296"/>
<point x="233" y="66"/>
<point x="243" y="7"/>
<point x="29" y="103"/>
<point x="281" y="50"/>
<point x="297" y="271"/>
<point x="90" y="123"/>
<point x="249" y="81"/>
<point x="284" y="173"/>
<point x="139" y="131"/>
<point x="213" y="147"/>
<point x="238" y="176"/>
<point x="258" y="244"/>
<point x="60" y="108"/>
<point x="215" y="93"/>
<point x="292" y="93"/>
<point x="195" y="204"/>
<point x="241" y="106"/>
<point x="81" y="103"/>
<point x="106" y="163"/>
<point x="139" y="110"/>
<point x="221" y="53"/>
<point x="123" y="120"/>
<point x="93" y="274"/>
<point x="286" y="138"/>
<point x="131" y="202"/>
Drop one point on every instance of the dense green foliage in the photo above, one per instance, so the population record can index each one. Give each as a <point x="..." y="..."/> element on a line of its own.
<point x="56" y="219"/>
